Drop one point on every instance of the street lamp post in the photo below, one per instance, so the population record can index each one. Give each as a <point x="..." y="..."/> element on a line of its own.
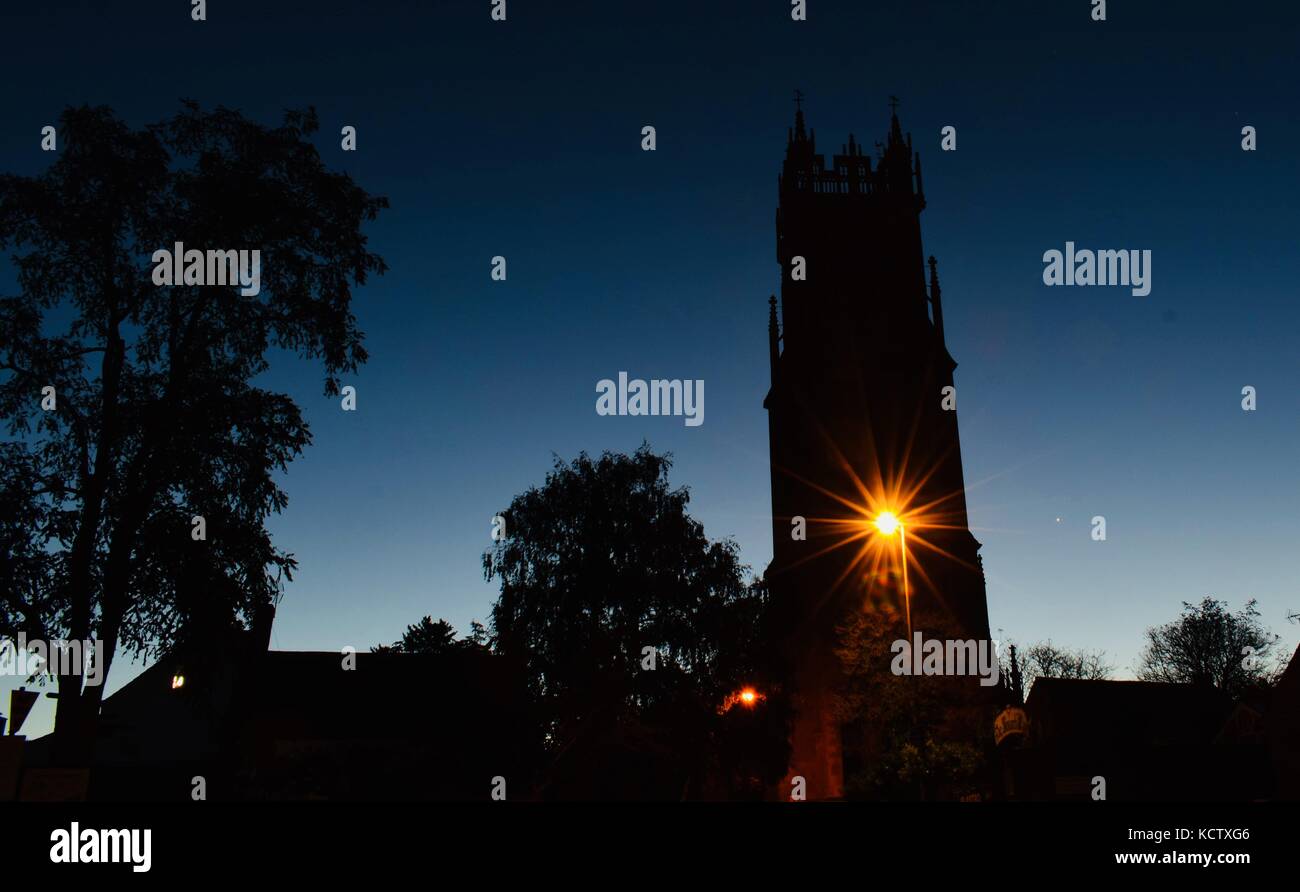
<point x="888" y="523"/>
<point x="907" y="590"/>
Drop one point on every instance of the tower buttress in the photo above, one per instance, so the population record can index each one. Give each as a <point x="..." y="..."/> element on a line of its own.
<point x="935" y="301"/>
<point x="773" y="336"/>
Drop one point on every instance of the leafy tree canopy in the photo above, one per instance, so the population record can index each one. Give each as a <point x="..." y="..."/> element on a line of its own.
<point x="435" y="638"/>
<point x="1211" y="645"/>
<point x="603" y="573"/>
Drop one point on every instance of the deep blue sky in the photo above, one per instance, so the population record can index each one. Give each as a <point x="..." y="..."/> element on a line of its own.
<point x="523" y="139"/>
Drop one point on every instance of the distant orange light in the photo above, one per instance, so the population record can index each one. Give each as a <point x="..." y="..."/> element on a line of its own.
<point x="178" y="681"/>
<point x="746" y="697"/>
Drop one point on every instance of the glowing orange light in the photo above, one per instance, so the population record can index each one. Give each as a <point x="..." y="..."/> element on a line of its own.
<point x="178" y="681"/>
<point x="887" y="522"/>
<point x="746" y="697"/>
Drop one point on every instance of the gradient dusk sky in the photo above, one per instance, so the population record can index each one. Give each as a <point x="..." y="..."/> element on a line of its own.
<point x="523" y="139"/>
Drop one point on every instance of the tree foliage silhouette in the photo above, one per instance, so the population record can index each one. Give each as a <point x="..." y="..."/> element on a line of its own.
<point x="905" y="737"/>
<point x="1210" y="645"/>
<point x="157" y="418"/>
<point x="435" y="638"/>
<point x="603" y="574"/>
<point x="1048" y="660"/>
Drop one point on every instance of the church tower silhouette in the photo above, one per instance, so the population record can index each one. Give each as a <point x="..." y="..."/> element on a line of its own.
<point x="860" y="423"/>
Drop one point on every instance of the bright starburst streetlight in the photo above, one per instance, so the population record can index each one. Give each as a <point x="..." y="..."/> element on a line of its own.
<point x="888" y="524"/>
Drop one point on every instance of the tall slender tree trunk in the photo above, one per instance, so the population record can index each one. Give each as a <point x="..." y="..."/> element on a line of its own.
<point x="73" y="730"/>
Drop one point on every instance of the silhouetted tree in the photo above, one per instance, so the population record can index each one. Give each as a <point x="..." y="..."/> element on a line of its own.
<point x="429" y="637"/>
<point x="1048" y="660"/>
<point x="157" y="419"/>
<point x="906" y="737"/>
<point x="627" y="618"/>
<point x="1210" y="645"/>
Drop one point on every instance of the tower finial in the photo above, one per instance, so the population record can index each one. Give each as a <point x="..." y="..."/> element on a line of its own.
<point x="798" y="115"/>
<point x="895" y="130"/>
